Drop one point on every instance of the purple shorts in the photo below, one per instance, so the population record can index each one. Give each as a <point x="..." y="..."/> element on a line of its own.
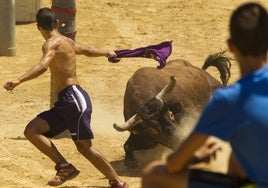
<point x="71" y="112"/>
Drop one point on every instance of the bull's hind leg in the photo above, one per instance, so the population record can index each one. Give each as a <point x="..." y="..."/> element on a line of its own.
<point x="137" y="142"/>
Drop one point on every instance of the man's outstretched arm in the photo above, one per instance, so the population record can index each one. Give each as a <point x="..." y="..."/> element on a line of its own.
<point x="35" y="71"/>
<point x="93" y="52"/>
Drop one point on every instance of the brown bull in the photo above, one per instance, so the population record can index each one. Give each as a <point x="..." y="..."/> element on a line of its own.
<point x="154" y="106"/>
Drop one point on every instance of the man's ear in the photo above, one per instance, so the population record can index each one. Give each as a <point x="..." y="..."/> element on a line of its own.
<point x="57" y="23"/>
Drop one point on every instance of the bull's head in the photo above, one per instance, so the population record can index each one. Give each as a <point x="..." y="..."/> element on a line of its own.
<point x="151" y="112"/>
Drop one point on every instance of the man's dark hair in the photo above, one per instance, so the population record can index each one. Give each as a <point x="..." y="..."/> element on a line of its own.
<point x="46" y="19"/>
<point x="249" y="29"/>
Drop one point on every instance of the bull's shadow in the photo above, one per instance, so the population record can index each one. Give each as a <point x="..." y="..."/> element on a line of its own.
<point x="144" y="157"/>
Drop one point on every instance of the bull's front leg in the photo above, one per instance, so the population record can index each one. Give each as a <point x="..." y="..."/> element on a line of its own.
<point x="137" y="142"/>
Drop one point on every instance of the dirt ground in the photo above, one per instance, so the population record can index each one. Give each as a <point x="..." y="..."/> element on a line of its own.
<point x="197" y="28"/>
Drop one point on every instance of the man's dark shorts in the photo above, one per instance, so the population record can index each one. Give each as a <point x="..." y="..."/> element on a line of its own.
<point x="71" y="112"/>
<point x="205" y="179"/>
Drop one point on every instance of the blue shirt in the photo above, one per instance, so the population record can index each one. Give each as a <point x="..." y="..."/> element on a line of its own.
<point x="239" y="114"/>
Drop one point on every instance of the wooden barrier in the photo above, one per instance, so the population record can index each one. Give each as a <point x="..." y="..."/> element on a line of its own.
<point x="65" y="12"/>
<point x="7" y="28"/>
<point x="26" y="12"/>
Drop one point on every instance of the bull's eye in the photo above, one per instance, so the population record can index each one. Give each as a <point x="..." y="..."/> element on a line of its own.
<point x="171" y="116"/>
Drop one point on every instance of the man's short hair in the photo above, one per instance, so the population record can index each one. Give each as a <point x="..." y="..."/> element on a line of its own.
<point x="249" y="29"/>
<point x="46" y="19"/>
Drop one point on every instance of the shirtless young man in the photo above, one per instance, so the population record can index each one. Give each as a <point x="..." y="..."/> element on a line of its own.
<point x="72" y="111"/>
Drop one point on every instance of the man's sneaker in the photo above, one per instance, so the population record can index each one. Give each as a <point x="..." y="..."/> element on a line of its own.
<point x="118" y="185"/>
<point x="63" y="173"/>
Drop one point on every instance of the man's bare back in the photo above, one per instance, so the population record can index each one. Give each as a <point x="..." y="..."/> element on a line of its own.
<point x="63" y="65"/>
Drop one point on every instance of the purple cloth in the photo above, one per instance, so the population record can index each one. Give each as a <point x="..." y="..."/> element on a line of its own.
<point x="159" y="52"/>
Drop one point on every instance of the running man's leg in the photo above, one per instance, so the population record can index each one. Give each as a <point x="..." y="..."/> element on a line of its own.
<point x="34" y="133"/>
<point x="97" y="159"/>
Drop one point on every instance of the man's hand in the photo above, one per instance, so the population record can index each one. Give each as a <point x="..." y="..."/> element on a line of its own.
<point x="207" y="152"/>
<point x="11" y="85"/>
<point x="110" y="54"/>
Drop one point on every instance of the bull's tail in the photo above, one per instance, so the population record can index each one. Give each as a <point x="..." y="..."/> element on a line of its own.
<point x="222" y="62"/>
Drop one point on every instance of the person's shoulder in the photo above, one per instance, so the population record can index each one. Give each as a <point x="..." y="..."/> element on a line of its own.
<point x="53" y="42"/>
<point x="229" y="90"/>
<point x="228" y="93"/>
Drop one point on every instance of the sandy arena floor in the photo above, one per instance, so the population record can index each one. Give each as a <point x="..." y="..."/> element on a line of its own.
<point x="197" y="28"/>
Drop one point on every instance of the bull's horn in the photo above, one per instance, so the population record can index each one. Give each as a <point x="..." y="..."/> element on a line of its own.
<point x="168" y="88"/>
<point x="131" y="122"/>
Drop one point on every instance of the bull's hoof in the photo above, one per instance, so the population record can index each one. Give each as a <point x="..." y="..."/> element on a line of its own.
<point x="130" y="163"/>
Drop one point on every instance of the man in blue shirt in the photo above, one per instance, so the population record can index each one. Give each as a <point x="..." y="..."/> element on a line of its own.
<point x="237" y="113"/>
